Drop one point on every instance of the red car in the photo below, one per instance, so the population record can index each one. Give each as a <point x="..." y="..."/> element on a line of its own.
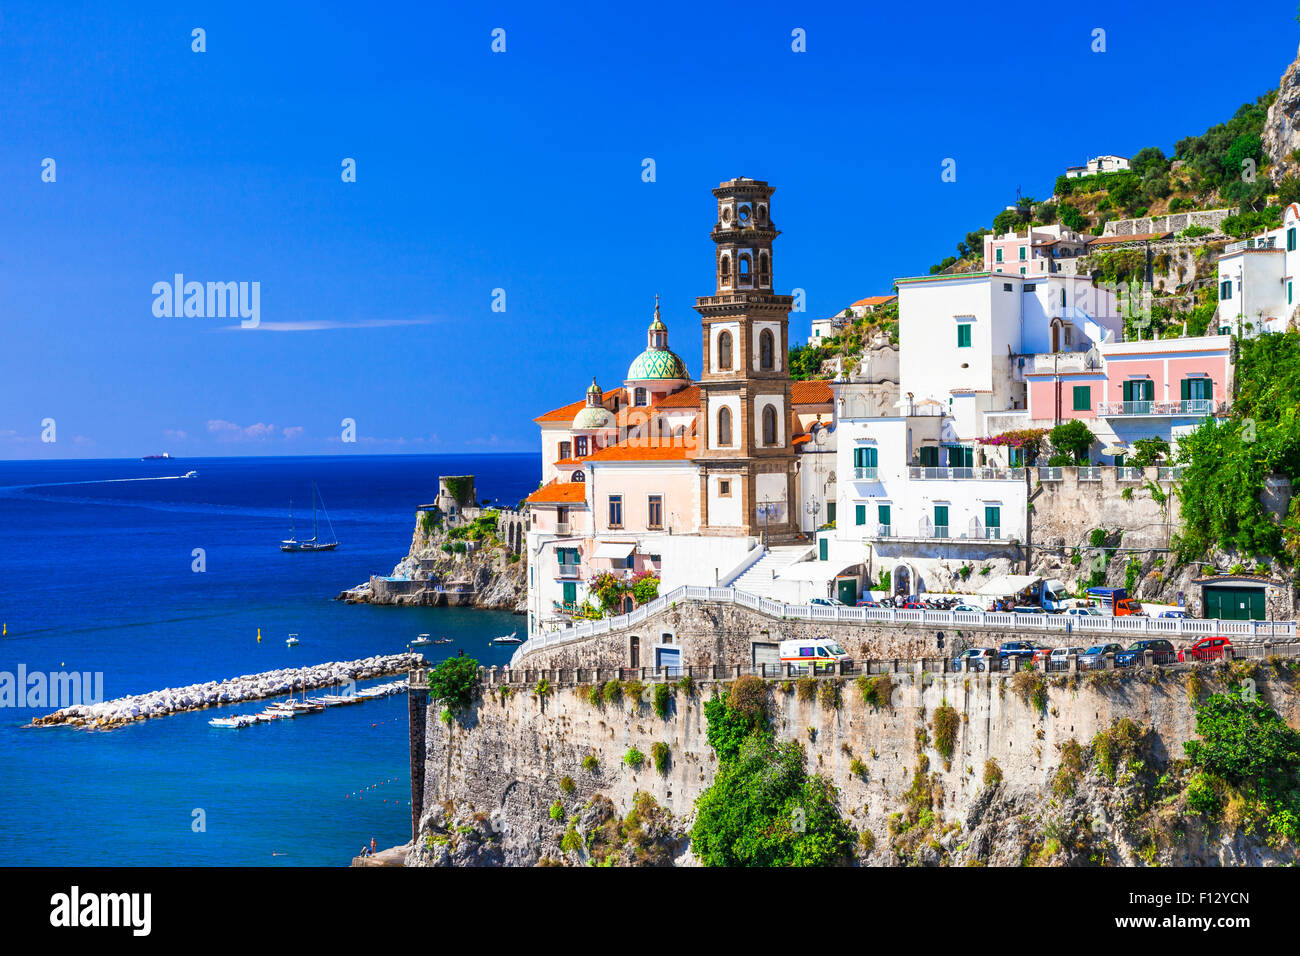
<point x="1206" y="649"/>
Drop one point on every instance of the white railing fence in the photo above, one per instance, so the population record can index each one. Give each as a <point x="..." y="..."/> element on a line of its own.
<point x="1062" y="623"/>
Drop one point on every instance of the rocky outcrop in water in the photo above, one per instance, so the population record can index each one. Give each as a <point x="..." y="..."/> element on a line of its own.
<point x="123" y="710"/>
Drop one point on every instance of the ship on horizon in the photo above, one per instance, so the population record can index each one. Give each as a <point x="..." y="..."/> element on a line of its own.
<point x="163" y="457"/>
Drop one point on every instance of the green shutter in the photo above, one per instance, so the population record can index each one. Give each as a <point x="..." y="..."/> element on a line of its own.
<point x="992" y="517"/>
<point x="570" y="592"/>
<point x="860" y="514"/>
<point x="882" y="514"/>
<point x="963" y="335"/>
<point x="941" y="516"/>
<point x="1082" y="398"/>
<point x="830" y="512"/>
<point x="822" y="549"/>
<point x="1185" y="389"/>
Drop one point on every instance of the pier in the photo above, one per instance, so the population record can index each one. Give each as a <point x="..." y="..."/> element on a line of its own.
<point x="235" y="690"/>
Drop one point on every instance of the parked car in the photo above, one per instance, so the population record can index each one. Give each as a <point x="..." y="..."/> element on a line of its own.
<point x="1083" y="612"/>
<point x="821" y="652"/>
<point x="1162" y="650"/>
<point x="1206" y="649"/>
<point x="1181" y="615"/>
<point x="1060" y="656"/>
<point x="1125" y="607"/>
<point x="912" y="606"/>
<point x="1021" y="649"/>
<point x="1092" y="656"/>
<point x="967" y="607"/>
<point x="867" y="602"/>
<point x="974" y="659"/>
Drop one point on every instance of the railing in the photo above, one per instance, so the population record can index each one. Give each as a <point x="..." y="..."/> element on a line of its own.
<point x="939" y="531"/>
<point x="864" y="474"/>
<point x="981" y="473"/>
<point x="1129" y="474"/>
<point x="1158" y="626"/>
<point x="992" y="534"/>
<point x="1190" y="406"/>
<point x="561" y="527"/>
<point x="1260" y="242"/>
<point x="1170" y="473"/>
<point x="884" y="531"/>
<point x="1051" y="474"/>
<point x="569" y="572"/>
<point x="1090" y="473"/>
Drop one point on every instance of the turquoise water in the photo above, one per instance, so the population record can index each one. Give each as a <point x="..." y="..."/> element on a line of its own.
<point x="97" y="577"/>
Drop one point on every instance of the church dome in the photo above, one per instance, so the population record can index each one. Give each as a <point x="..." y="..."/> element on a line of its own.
<point x="656" y="364"/>
<point x="594" y="416"/>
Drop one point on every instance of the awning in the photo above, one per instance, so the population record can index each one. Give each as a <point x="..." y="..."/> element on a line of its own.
<point x="1006" y="585"/>
<point x="615" y="550"/>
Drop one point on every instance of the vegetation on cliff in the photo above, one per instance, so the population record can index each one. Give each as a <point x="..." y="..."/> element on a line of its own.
<point x="454" y="683"/>
<point x="1226" y="463"/>
<point x="763" y="808"/>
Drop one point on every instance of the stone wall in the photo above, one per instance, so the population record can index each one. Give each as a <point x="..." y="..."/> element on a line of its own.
<point x="1172" y="222"/>
<point x="505" y="764"/>
<point x="1066" y="511"/>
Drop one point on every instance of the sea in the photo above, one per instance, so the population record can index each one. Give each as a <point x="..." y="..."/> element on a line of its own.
<point x="124" y="568"/>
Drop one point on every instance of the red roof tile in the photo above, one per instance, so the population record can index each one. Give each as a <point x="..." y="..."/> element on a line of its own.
<point x="874" y="300"/>
<point x="811" y="392"/>
<point x="648" y="449"/>
<point x="560" y="493"/>
<point x="688" y="397"/>
<point x="565" y="413"/>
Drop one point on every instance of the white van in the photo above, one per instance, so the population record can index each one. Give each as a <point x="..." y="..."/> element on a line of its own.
<point x="817" y="651"/>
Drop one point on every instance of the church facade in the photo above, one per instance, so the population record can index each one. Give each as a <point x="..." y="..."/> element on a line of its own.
<point x="679" y="478"/>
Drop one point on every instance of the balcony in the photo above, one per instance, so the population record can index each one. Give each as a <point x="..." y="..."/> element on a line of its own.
<point x="1194" y="406"/>
<point x="1129" y="474"/>
<point x="864" y="474"/>
<point x="884" y="531"/>
<point x="1260" y="242"/>
<point x="568" y="572"/>
<point x="982" y="473"/>
<point x="561" y="527"/>
<point x="939" y="531"/>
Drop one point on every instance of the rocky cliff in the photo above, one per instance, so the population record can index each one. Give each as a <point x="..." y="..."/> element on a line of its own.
<point x="1282" y="127"/>
<point x="949" y="770"/>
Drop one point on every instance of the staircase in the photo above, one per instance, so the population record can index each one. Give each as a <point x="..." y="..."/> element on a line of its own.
<point x="758" y="579"/>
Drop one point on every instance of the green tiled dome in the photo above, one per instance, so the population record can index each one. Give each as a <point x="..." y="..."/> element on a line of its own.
<point x="594" y="416"/>
<point x="656" y="364"/>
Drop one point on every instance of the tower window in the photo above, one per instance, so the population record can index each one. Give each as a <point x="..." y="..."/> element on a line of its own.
<point x="724" y="426"/>
<point x="580" y="446"/>
<point x="724" y="351"/>
<point x="639" y="396"/>
<point x="769" y="425"/>
<point x="744" y="266"/>
<point x="565" y="448"/>
<point x="726" y="266"/>
<point x="766" y="348"/>
<point x="763" y="268"/>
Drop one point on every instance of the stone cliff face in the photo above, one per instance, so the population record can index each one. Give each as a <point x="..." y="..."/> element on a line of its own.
<point x="1083" y="772"/>
<point x="1282" y="127"/>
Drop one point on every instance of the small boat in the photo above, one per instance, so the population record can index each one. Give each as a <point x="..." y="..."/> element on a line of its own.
<point x="163" y="457"/>
<point x="422" y="641"/>
<point x="190" y="474"/>
<point x="235" y="722"/>
<point x="292" y="640"/>
<point x="508" y="639"/>
<point x="313" y="543"/>
<point x="443" y="640"/>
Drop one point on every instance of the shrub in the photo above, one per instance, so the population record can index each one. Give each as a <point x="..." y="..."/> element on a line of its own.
<point x="1205" y="794"/>
<point x="1031" y="685"/>
<point x="867" y="841"/>
<point x="727" y="727"/>
<point x="454" y="682"/>
<point x="634" y="758"/>
<point x="1070" y="772"/>
<point x="858" y="768"/>
<point x="877" y="691"/>
<point x="613" y="691"/>
<point x="807" y="687"/>
<point x="567" y="785"/>
<point x="1116" y="746"/>
<point x="557" y="811"/>
<point x="828" y="694"/>
<point x="992" y="773"/>
<point x="659" y="754"/>
<point x="595" y="695"/>
<point x="946" y="723"/>
<point x="662" y="696"/>
<point x="748" y="696"/>
<point x="590" y="763"/>
<point x="633" y="690"/>
<point x="572" y="841"/>
<point x="687" y="685"/>
<point x="1074" y="438"/>
<point x="543" y="687"/>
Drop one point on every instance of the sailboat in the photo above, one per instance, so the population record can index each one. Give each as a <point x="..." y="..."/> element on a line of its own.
<point x="313" y="543"/>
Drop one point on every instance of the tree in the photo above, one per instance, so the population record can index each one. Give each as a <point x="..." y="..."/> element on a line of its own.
<point x="1149" y="159"/>
<point x="1008" y="220"/>
<point x="454" y="682"/>
<point x="1073" y="438"/>
<point x="1247" y="744"/>
<point x="1149" y="451"/>
<point x="1072" y="217"/>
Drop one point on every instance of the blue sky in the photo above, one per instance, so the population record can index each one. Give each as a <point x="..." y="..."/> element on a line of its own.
<point x="518" y="170"/>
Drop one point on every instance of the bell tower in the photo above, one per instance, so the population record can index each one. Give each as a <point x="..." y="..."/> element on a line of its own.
<point x="746" y="458"/>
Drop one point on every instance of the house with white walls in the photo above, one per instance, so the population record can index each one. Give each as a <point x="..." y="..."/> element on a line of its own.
<point x="1258" y="281"/>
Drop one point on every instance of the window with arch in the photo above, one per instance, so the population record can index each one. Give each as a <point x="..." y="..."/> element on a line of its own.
<point x="724" y="426"/>
<point x="766" y="348"/>
<point x="744" y="265"/>
<point x="639" y="396"/>
<point x="769" y="425"/>
<point x="578" y="476"/>
<point x="724" y="350"/>
<point x="763" y="267"/>
<point x="725" y="268"/>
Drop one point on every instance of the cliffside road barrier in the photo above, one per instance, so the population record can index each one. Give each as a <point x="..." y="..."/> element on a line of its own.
<point x="1134" y="627"/>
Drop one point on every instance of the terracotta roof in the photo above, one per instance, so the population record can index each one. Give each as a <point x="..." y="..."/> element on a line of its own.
<point x="1139" y="237"/>
<point x="815" y="391"/>
<point x="800" y="439"/>
<point x="569" y="462"/>
<point x="559" y="493"/>
<point x="874" y="300"/>
<point x="648" y="449"/>
<point x="688" y="397"/>
<point x="566" y="412"/>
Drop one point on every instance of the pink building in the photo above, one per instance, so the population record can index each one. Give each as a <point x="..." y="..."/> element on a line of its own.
<point x="1035" y="252"/>
<point x="1129" y="390"/>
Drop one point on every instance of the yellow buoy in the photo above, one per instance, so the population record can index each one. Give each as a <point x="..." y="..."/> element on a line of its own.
<point x="259" y="635"/>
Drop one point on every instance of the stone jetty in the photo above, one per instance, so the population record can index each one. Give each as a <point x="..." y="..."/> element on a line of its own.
<point x="160" y="703"/>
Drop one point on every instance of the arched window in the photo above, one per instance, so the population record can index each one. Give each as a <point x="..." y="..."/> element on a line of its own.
<point x="763" y="270"/>
<point x="744" y="266"/>
<point x="640" y="396"/>
<point x="724" y="351"/>
<point x="724" y="426"/>
<point x="726" y="266"/>
<point x="578" y="476"/>
<point x="769" y="425"/>
<point x="766" y="348"/>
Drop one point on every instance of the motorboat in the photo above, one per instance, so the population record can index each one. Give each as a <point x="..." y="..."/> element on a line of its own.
<point x="292" y="640"/>
<point x="423" y="641"/>
<point x="510" y="638"/>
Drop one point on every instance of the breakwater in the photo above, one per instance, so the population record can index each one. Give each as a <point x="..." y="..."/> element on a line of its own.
<point x="235" y="690"/>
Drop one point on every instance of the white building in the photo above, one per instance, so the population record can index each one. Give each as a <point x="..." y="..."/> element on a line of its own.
<point x="1098" y="164"/>
<point x="1257" y="280"/>
<point x="831" y="327"/>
